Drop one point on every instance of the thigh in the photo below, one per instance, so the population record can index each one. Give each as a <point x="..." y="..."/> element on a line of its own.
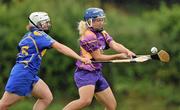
<point x="86" y="92"/>
<point x="10" y="98"/>
<point x="106" y="97"/>
<point x="101" y="83"/>
<point x="84" y="78"/>
<point x="41" y="90"/>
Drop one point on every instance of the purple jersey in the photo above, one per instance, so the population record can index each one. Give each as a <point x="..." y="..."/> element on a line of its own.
<point x="89" y="42"/>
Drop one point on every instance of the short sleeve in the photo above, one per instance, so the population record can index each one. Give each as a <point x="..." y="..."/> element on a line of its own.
<point x="90" y="43"/>
<point x="108" y="38"/>
<point x="48" y="41"/>
<point x="44" y="40"/>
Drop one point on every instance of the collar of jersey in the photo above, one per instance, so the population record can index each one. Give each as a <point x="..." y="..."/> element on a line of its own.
<point x="96" y="31"/>
<point x="34" y="29"/>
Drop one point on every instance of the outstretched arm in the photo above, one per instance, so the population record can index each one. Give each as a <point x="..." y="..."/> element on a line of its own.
<point x="120" y="48"/>
<point x="97" y="55"/>
<point x="68" y="51"/>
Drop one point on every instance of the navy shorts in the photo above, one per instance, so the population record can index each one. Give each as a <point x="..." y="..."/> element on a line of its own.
<point x="21" y="81"/>
<point x="85" y="77"/>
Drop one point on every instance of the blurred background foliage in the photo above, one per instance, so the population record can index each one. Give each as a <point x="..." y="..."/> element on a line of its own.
<point x="137" y="24"/>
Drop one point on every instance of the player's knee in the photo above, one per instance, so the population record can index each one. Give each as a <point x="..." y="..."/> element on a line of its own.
<point x="3" y="105"/>
<point x="112" y="105"/>
<point x="86" y="102"/>
<point x="48" y="99"/>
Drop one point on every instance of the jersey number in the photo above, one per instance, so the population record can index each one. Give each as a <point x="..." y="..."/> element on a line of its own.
<point x="24" y="50"/>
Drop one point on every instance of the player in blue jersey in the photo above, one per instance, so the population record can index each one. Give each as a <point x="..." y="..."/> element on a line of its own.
<point x="88" y="77"/>
<point x="23" y="79"/>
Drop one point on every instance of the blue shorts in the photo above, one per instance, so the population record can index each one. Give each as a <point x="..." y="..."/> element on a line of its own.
<point x="21" y="80"/>
<point x="85" y="77"/>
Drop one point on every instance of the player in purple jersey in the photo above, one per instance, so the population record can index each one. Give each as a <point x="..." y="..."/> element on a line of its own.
<point x="88" y="77"/>
<point x="23" y="79"/>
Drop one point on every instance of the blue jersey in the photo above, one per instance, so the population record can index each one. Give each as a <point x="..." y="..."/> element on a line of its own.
<point x="32" y="47"/>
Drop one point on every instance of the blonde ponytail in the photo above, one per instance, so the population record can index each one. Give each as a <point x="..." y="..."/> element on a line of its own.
<point x="82" y="27"/>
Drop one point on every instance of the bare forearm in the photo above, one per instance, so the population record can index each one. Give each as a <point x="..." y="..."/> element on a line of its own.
<point x="118" y="47"/>
<point x="121" y="49"/>
<point x="105" y="57"/>
<point x="102" y="57"/>
<point x="66" y="50"/>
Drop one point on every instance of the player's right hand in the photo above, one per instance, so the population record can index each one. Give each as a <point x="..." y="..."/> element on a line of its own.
<point x="86" y="60"/>
<point x="122" y="56"/>
<point x="131" y="54"/>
